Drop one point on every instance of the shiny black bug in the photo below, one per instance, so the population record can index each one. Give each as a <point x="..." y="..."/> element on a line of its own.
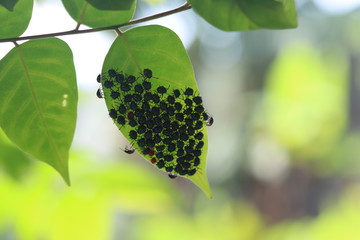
<point x="98" y="78"/>
<point x="99" y="93"/>
<point x="147" y="73"/>
<point x="113" y="113"/>
<point x="129" y="150"/>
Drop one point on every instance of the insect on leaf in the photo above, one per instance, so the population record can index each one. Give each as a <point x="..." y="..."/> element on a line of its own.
<point x="152" y="96"/>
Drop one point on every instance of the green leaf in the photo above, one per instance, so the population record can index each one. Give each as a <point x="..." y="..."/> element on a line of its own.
<point x="39" y="100"/>
<point x="243" y="15"/>
<point x="160" y="50"/>
<point x="85" y="13"/>
<point x="12" y="160"/>
<point x="14" y="17"/>
<point x="112" y="4"/>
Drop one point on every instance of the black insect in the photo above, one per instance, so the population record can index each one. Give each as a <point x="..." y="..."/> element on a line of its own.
<point x="189" y="149"/>
<point x="169" y="169"/>
<point x="171" y="99"/>
<point x="112" y="113"/>
<point x="157" y="129"/>
<point x="141" y="142"/>
<point x="210" y="122"/>
<point x="146" y="85"/>
<point x="133" y="105"/>
<point x="155" y="98"/>
<point x="176" y="93"/>
<point x="132" y="123"/>
<point x="161" y="90"/>
<point x="159" y="154"/>
<point x="163" y="105"/>
<point x="168" y="158"/>
<point x="172" y="175"/>
<point x="142" y="120"/>
<point x="189" y="122"/>
<point x="195" y="116"/>
<point x="157" y="138"/>
<point x="188" y="102"/>
<point x="160" y="148"/>
<point x="147" y="73"/>
<point x="141" y="129"/>
<point x="196" y="161"/>
<point x="160" y="164"/>
<point x="112" y="73"/>
<point x="120" y="78"/>
<point x="188" y="111"/>
<point x="131" y="79"/>
<point x="180" y="152"/>
<point x="175" y="136"/>
<point x="122" y="108"/>
<point x="146" y="151"/>
<point x="150" y="124"/>
<point x="137" y="97"/>
<point x="98" y="79"/>
<point x="139" y="113"/>
<point x="121" y="120"/>
<point x="199" y="136"/>
<point x="99" y="93"/>
<point x="167" y="141"/>
<point x="129" y="150"/>
<point x="175" y="126"/>
<point x="191" y="172"/>
<point x="189" y="91"/>
<point x="148" y="134"/>
<point x="184" y="136"/>
<point x="197" y="100"/>
<point x="179" y="117"/>
<point x="200" y="145"/>
<point x="147" y="96"/>
<point x="205" y="116"/>
<point x="145" y="106"/>
<point x="125" y="87"/>
<point x="170" y="110"/>
<point x="133" y="134"/>
<point x="182" y="129"/>
<point x="198" y="125"/>
<point x="108" y="84"/>
<point x="178" y="106"/>
<point x="197" y="153"/>
<point x="186" y="165"/>
<point x="150" y="143"/>
<point x="199" y="109"/>
<point x="128" y="98"/>
<point x="114" y="95"/>
<point x="189" y="157"/>
<point x="171" y="147"/>
<point x="155" y="111"/>
<point x="139" y="88"/>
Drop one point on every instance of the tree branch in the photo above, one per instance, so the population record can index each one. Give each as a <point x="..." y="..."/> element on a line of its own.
<point x="184" y="7"/>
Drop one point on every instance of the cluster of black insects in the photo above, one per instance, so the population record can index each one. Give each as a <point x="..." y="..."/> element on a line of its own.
<point x="167" y="125"/>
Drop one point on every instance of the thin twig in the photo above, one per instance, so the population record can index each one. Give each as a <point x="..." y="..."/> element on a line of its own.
<point x="184" y="7"/>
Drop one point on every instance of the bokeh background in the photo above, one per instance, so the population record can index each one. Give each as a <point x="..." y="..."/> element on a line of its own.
<point x="284" y="153"/>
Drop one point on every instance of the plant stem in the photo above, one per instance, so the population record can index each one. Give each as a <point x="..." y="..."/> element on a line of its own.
<point x="183" y="7"/>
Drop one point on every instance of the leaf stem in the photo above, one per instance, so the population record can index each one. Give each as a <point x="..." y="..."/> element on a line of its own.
<point x="184" y="7"/>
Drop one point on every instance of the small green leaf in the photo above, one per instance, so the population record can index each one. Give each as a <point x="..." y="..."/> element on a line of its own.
<point x="112" y="4"/>
<point x="243" y="15"/>
<point x="159" y="50"/>
<point x="85" y="13"/>
<point x="14" y="17"/>
<point x="39" y="100"/>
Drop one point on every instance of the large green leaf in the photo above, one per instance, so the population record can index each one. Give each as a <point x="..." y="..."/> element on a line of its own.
<point x="39" y="100"/>
<point x="112" y="4"/>
<point x="85" y="13"/>
<point x="242" y="15"/>
<point x="160" y="50"/>
<point x="14" y="17"/>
